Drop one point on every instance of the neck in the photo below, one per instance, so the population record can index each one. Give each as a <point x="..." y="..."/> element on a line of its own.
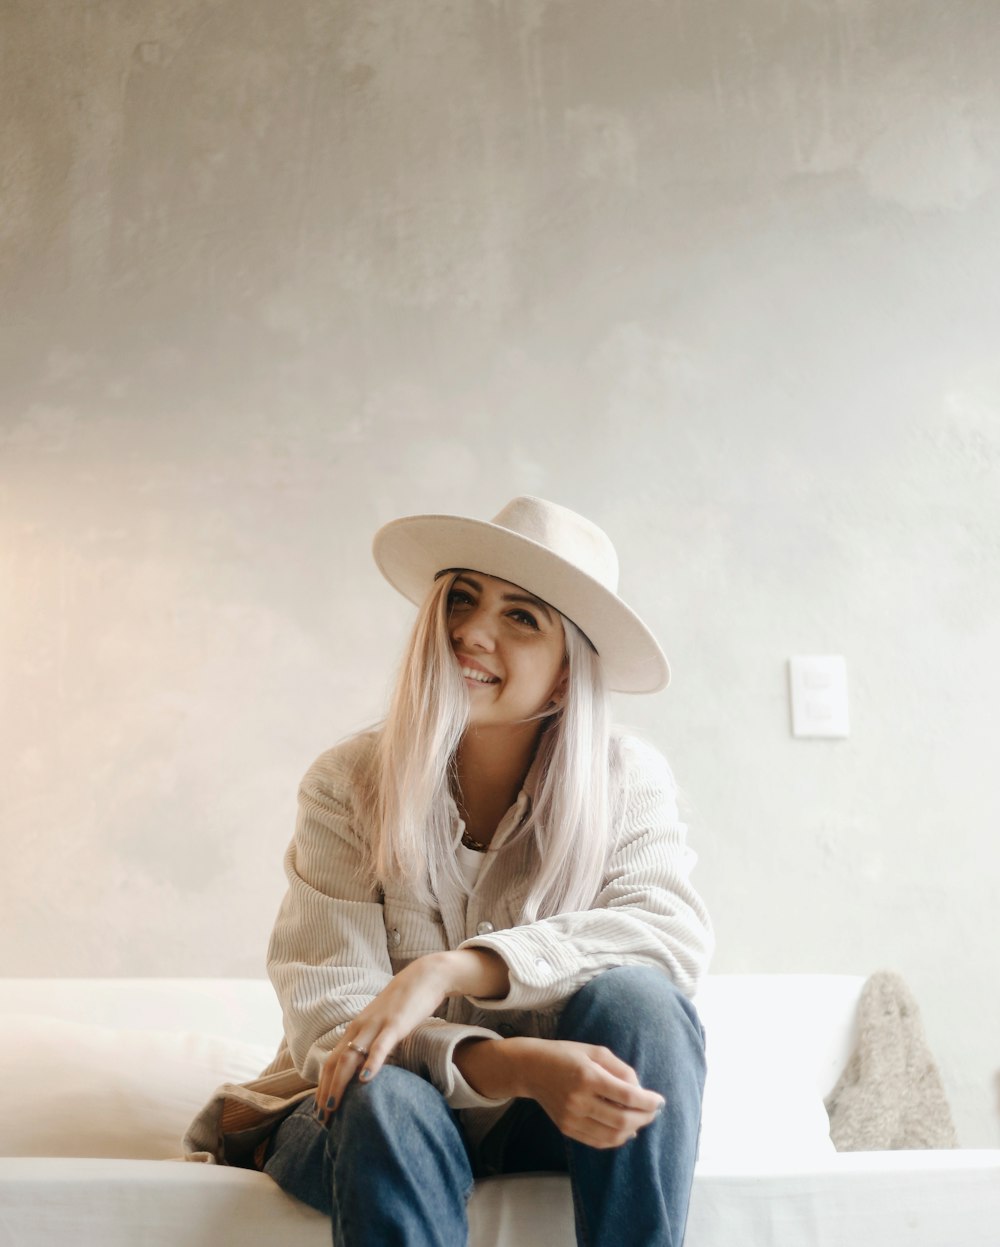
<point x="492" y="764"/>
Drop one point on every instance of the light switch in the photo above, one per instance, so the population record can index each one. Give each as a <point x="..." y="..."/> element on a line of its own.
<point x="818" y="687"/>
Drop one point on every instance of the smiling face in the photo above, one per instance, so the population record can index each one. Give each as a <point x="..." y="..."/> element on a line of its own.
<point x="510" y="646"/>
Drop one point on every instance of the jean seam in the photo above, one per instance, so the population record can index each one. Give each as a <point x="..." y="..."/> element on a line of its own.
<point x="582" y="1232"/>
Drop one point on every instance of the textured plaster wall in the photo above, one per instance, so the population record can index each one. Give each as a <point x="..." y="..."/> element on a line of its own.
<point x="722" y="274"/>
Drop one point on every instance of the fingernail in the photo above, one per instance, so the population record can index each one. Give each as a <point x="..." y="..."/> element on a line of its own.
<point x="365" y="1076"/>
<point x="329" y="1103"/>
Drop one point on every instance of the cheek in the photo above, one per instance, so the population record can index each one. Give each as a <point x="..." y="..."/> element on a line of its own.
<point x="550" y="674"/>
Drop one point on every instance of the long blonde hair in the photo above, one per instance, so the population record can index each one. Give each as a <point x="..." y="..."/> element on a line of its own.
<point x="571" y="817"/>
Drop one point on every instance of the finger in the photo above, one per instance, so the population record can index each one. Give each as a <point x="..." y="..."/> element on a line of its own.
<point x="379" y="1051"/>
<point x="325" y="1087"/>
<point x="613" y="1130"/>
<point x="626" y="1094"/>
<point x="341" y="1066"/>
<point x="606" y="1059"/>
<point x="347" y="1067"/>
<point x="333" y="1091"/>
<point x="618" y="1119"/>
<point x="328" y="1070"/>
<point x="325" y="1078"/>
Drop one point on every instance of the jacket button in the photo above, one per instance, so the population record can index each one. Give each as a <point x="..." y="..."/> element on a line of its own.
<point x="505" y="1029"/>
<point x="542" y="965"/>
<point x="485" y="928"/>
<point x="394" y="936"/>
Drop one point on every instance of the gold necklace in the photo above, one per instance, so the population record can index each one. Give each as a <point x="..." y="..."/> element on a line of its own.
<point x="471" y="842"/>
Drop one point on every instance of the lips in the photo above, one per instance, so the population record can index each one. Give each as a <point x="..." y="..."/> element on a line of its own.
<point x="473" y="671"/>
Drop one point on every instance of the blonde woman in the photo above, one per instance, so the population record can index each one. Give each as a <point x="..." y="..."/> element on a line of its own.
<point x="489" y="942"/>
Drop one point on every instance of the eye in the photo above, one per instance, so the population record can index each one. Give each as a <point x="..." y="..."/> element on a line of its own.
<point x="458" y="597"/>
<point x="526" y="618"/>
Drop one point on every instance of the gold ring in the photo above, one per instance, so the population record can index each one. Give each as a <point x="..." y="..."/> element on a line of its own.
<point x="357" y="1048"/>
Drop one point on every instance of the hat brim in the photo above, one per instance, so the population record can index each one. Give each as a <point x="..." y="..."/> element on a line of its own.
<point x="411" y="551"/>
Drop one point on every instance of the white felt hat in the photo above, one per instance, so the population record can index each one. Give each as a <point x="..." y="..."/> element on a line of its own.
<point x="547" y="549"/>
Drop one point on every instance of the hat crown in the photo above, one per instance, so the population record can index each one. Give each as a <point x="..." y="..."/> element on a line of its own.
<point x="570" y="536"/>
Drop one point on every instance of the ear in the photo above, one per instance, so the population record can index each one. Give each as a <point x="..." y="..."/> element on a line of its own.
<point x="558" y="696"/>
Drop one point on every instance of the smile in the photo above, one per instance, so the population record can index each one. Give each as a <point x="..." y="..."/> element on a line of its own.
<point x="480" y="677"/>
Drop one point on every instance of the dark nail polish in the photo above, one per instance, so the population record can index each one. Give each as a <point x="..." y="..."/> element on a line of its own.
<point x="329" y="1103"/>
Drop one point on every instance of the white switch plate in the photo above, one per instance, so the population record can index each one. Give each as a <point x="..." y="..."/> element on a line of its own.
<point x="818" y="686"/>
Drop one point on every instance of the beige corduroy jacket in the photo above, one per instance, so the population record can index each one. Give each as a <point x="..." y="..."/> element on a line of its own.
<point x="337" y="941"/>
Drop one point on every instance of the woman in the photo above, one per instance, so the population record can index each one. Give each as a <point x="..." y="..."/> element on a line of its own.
<point x="489" y="939"/>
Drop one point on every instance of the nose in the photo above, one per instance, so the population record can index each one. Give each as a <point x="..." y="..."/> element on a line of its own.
<point x="474" y="630"/>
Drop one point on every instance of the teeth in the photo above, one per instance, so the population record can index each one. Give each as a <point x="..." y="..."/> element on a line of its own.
<point x="481" y="676"/>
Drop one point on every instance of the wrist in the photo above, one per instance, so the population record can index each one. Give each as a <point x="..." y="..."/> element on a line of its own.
<point x="490" y="1066"/>
<point x="474" y="972"/>
<point x="516" y="1056"/>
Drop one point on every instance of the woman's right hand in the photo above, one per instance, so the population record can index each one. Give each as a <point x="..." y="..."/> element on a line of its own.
<point x="590" y="1094"/>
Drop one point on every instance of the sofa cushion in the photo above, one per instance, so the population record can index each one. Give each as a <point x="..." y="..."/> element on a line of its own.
<point x="775" y="1044"/>
<point x="72" y="1089"/>
<point x="762" y="1109"/>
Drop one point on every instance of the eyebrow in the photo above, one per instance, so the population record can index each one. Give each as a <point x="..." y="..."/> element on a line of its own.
<point x="507" y="597"/>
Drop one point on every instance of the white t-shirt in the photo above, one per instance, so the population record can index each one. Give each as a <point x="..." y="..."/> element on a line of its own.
<point x="470" y="863"/>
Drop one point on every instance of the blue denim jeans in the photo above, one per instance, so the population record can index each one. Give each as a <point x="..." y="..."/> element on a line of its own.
<point x="394" y="1168"/>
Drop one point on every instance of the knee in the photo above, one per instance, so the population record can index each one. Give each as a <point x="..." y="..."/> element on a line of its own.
<point x="391" y="1103"/>
<point x="390" y="1131"/>
<point x="633" y="1004"/>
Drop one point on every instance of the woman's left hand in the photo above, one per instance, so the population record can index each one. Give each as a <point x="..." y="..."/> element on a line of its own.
<point x="409" y="998"/>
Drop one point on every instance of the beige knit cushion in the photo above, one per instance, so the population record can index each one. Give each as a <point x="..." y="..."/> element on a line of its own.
<point x="890" y="1095"/>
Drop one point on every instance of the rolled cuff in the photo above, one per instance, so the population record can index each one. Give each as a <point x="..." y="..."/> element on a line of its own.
<point x="543" y="970"/>
<point x="429" y="1050"/>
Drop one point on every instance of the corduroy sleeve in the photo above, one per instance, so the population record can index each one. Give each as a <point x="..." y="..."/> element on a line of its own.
<point x="646" y="913"/>
<point x="328" y="956"/>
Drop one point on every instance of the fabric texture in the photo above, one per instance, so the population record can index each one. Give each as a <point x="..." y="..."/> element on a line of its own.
<point x="890" y="1095"/>
<point x="76" y="1089"/>
<point x="888" y="1199"/>
<point x="337" y="941"/>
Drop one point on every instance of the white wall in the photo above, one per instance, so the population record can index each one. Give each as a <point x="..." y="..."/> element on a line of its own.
<point x="721" y="274"/>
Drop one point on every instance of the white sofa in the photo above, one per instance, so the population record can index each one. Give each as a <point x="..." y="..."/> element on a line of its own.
<point x="100" y="1078"/>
